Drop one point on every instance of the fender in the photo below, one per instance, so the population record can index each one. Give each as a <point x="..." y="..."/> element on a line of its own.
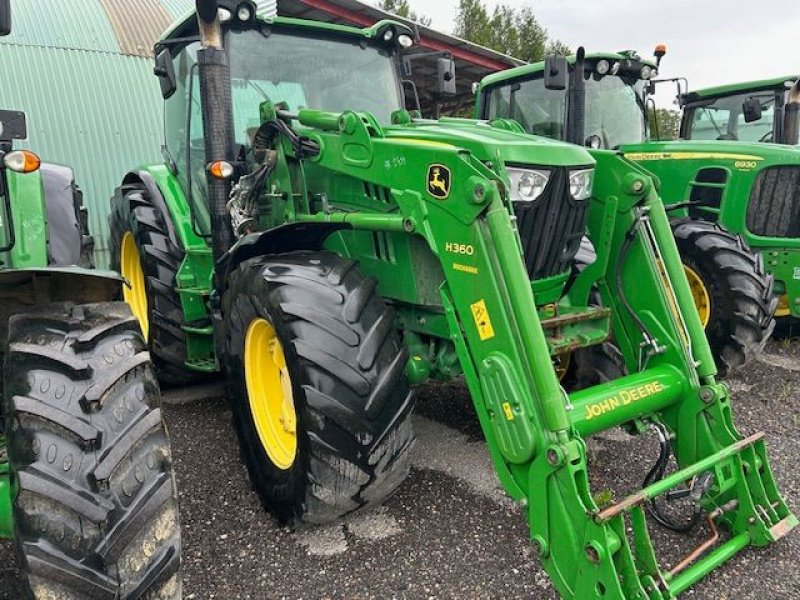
<point x="290" y="237"/>
<point x="166" y="194"/>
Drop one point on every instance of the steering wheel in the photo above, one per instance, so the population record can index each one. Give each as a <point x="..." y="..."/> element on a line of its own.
<point x="766" y="136"/>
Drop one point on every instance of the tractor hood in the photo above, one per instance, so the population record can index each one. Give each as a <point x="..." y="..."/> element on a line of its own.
<point x="488" y="142"/>
<point x="735" y="152"/>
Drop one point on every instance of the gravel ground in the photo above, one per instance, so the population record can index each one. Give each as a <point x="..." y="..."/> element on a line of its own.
<point x="449" y="532"/>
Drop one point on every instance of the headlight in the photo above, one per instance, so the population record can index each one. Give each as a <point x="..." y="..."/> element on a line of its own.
<point x="580" y="183"/>
<point x="527" y="184"/>
<point x="602" y="67"/>
<point x="646" y="72"/>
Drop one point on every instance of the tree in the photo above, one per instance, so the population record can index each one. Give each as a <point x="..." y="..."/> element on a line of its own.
<point x="664" y="124"/>
<point x="515" y="32"/>
<point x="401" y="8"/>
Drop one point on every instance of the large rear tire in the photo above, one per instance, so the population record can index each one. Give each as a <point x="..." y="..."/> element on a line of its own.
<point x="145" y="253"/>
<point x="96" y="510"/>
<point x="316" y="376"/>
<point x="732" y="291"/>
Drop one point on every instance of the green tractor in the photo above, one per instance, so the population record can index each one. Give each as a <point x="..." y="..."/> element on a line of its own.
<point x="328" y="251"/>
<point x="764" y="111"/>
<point x="599" y="101"/>
<point x="87" y="492"/>
<point x="752" y="111"/>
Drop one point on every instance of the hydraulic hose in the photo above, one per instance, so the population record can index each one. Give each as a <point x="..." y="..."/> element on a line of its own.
<point x="657" y="473"/>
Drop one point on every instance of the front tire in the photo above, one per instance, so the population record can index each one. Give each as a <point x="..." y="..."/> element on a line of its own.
<point x="96" y="511"/>
<point x="732" y="291"/>
<point x="316" y="376"/>
<point x="145" y="253"/>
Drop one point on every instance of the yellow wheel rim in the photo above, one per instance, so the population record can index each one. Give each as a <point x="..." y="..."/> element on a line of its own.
<point x="783" y="309"/>
<point x="700" y="294"/>
<point x="136" y="294"/>
<point x="269" y="392"/>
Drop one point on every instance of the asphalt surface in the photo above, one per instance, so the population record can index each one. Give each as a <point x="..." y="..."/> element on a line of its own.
<point x="449" y="532"/>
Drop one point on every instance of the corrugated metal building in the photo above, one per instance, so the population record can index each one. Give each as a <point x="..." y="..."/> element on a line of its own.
<point x="82" y="71"/>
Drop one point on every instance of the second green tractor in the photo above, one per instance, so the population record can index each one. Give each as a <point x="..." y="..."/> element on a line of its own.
<point x="600" y="101"/>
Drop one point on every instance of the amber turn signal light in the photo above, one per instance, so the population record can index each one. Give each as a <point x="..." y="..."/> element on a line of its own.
<point x="220" y="169"/>
<point x="22" y="161"/>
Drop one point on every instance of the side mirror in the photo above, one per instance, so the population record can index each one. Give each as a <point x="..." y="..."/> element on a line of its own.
<point x="556" y="72"/>
<point x="12" y="125"/>
<point x="165" y="71"/>
<point x="751" y="108"/>
<point x="446" y="76"/>
<point x="5" y="17"/>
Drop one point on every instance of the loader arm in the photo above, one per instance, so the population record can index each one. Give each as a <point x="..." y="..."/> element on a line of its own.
<point x="534" y="431"/>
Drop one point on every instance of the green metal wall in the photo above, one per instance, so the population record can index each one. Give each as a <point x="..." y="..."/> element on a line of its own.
<point x="82" y="70"/>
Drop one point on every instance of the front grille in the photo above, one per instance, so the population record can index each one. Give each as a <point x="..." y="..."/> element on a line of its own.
<point x="774" y="209"/>
<point x="551" y="227"/>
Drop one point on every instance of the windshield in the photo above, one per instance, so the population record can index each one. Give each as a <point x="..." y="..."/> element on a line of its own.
<point x="614" y="108"/>
<point x="305" y="71"/>
<point x="540" y="111"/>
<point x="723" y="119"/>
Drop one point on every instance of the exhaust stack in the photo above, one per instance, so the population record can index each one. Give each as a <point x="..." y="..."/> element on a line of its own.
<point x="215" y="94"/>
<point x="791" y="119"/>
<point x="576" y="117"/>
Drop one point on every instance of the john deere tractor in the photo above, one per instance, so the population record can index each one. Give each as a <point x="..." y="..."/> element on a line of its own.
<point x="328" y="251"/>
<point x="87" y="492"/>
<point x="750" y="111"/>
<point x="599" y="101"/>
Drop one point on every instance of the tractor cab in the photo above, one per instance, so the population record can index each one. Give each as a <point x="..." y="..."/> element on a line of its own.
<point x="297" y="64"/>
<point x="752" y="111"/>
<point x="596" y="100"/>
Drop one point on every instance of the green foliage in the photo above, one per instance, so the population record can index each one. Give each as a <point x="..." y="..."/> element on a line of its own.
<point x="515" y="32"/>
<point x="401" y="8"/>
<point x="664" y="124"/>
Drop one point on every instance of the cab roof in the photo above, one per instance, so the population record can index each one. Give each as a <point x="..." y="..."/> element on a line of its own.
<point x="738" y="88"/>
<point x="538" y="67"/>
<point x="187" y="26"/>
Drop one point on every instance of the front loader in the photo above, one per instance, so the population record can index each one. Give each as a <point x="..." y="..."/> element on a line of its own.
<point x="327" y="251"/>
<point x="87" y="492"/>
<point x="599" y="101"/>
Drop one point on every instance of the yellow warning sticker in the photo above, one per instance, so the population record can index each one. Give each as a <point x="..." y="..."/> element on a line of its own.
<point x="508" y="411"/>
<point x="482" y="320"/>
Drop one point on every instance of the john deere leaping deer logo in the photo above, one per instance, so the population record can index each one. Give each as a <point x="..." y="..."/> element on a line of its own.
<point x="439" y="181"/>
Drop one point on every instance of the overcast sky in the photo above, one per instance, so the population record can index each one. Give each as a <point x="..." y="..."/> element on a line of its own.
<point x="710" y="42"/>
